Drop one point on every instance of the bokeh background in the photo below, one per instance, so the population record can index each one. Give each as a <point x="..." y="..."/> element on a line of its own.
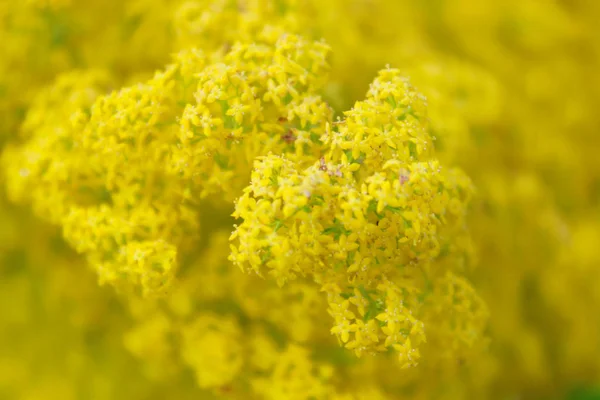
<point x="513" y="93"/>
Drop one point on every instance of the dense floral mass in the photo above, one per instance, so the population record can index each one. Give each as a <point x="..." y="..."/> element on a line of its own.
<point x="299" y="199"/>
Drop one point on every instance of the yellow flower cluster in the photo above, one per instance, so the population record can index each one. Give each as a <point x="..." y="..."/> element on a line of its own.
<point x="261" y="97"/>
<point x="44" y="38"/>
<point x="101" y="160"/>
<point x="435" y="241"/>
<point x="245" y="341"/>
<point x="366" y="222"/>
<point x="359" y="206"/>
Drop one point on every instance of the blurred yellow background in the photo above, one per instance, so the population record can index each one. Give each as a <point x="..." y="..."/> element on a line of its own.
<point x="512" y="92"/>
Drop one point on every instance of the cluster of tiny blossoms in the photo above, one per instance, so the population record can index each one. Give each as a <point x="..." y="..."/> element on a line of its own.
<point x="366" y="222"/>
<point x="360" y="206"/>
<point x="121" y="172"/>
<point x="363" y="225"/>
<point x="261" y="97"/>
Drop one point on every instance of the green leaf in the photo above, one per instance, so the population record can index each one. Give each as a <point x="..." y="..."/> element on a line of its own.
<point x="395" y="210"/>
<point x="412" y="148"/>
<point x="287" y="99"/>
<point x="337" y="230"/>
<point x="221" y="160"/>
<point x="392" y="101"/>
